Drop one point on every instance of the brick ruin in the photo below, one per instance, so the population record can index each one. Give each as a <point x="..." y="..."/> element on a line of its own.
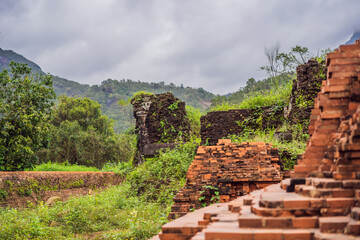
<point x="322" y="198"/>
<point x="228" y="169"/>
<point x="161" y="122"/>
<point x="221" y="124"/>
<point x="305" y="87"/>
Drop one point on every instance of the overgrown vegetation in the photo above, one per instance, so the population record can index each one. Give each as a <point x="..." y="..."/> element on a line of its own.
<point x="134" y="210"/>
<point x="274" y="96"/>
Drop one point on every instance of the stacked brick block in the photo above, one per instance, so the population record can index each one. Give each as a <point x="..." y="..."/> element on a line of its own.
<point x="322" y="205"/>
<point x="226" y="171"/>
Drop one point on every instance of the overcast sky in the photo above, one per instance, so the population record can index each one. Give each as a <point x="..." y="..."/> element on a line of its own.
<point x="213" y="44"/>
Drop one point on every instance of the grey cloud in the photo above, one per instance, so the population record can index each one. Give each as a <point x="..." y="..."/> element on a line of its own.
<point x="212" y="44"/>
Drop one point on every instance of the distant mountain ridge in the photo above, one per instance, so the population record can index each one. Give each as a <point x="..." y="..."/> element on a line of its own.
<point x="110" y="91"/>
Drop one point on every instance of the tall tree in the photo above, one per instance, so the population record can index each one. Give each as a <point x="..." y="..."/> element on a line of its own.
<point x="25" y="102"/>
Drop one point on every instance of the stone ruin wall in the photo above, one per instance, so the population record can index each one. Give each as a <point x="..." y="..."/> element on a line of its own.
<point x="221" y="124"/>
<point x="161" y="122"/>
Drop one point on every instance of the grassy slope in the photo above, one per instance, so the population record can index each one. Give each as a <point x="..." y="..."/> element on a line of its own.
<point x="134" y="210"/>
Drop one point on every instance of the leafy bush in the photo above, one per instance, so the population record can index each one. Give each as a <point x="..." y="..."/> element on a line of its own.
<point x="121" y="168"/>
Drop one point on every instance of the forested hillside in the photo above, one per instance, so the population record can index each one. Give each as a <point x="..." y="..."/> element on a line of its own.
<point x="111" y="91"/>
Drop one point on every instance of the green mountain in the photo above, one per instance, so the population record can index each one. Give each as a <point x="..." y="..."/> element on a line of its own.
<point x="110" y="91"/>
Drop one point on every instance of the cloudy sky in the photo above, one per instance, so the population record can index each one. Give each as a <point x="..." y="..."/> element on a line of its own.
<point x="213" y="44"/>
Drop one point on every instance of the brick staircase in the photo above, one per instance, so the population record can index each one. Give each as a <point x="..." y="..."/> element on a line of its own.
<point x="322" y="199"/>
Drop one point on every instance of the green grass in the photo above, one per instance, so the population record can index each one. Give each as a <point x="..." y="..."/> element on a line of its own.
<point x="275" y="96"/>
<point x="136" y="209"/>
<point x="67" y="167"/>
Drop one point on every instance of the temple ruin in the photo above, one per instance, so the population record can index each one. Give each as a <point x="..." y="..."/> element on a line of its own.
<point x="322" y="198"/>
<point x="161" y="122"/>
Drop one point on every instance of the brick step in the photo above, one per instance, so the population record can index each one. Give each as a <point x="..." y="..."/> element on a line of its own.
<point x="313" y="192"/>
<point x="251" y="220"/>
<point x="304" y="207"/>
<point x="333" y="224"/>
<point x="328" y="236"/>
<point x="305" y="168"/>
<point x="221" y="233"/>
<point x="355" y="213"/>
<point x="345" y="175"/>
<point x="333" y="183"/>
<point x="294" y="182"/>
<point x="294" y="174"/>
<point x="324" y="183"/>
<point x="353" y="228"/>
<point x="285" y="184"/>
<point x="199" y="236"/>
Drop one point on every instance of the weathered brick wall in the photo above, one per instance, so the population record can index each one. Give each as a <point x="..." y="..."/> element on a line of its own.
<point x="304" y="91"/>
<point x="339" y="97"/>
<point x="18" y="189"/>
<point x="160" y="122"/>
<point x="221" y="124"/>
<point x="226" y="171"/>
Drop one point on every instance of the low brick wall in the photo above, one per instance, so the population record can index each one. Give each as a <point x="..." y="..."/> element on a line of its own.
<point x="20" y="189"/>
<point x="221" y="124"/>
